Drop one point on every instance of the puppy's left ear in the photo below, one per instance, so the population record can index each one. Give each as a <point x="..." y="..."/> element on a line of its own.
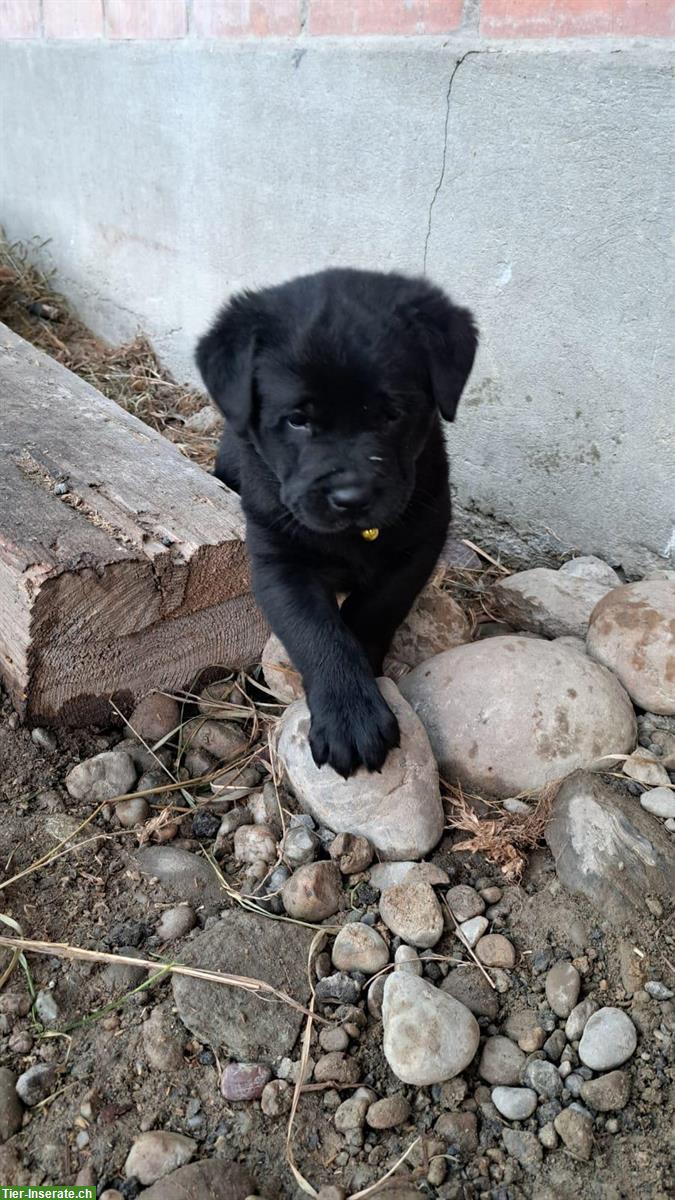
<point x="225" y="360"/>
<point x="451" y="339"/>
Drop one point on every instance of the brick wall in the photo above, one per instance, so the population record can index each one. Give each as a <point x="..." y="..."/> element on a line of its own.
<point x="172" y="19"/>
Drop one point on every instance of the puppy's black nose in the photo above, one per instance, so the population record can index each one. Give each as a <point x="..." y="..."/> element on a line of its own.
<point x="349" y="497"/>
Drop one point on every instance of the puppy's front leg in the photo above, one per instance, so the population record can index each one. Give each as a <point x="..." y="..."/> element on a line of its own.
<point x="351" y="725"/>
<point x="375" y="615"/>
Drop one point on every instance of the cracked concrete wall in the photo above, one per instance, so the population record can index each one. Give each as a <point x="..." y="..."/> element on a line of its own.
<point x="528" y="179"/>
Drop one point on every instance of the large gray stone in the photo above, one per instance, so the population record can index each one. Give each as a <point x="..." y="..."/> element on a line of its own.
<point x="398" y="809"/>
<point x="608" y="848"/>
<point x="551" y="603"/>
<point x="587" y="566"/>
<point x="632" y="631"/>
<point x="428" y="1035"/>
<point x="249" y="1029"/>
<point x="512" y="713"/>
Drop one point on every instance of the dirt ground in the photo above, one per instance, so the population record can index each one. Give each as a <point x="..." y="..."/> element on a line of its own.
<point x="96" y="898"/>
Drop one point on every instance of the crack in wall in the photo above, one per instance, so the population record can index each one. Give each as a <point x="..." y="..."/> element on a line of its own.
<point x="441" y="177"/>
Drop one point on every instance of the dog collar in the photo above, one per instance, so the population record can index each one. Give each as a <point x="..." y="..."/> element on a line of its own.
<point x="369" y="535"/>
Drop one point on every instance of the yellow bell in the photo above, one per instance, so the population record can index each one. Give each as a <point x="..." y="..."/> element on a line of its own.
<point x="370" y="534"/>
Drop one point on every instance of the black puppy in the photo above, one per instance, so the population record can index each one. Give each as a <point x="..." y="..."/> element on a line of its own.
<point x="332" y="386"/>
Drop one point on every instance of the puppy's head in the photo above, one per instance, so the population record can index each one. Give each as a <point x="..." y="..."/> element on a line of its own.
<point x="337" y="379"/>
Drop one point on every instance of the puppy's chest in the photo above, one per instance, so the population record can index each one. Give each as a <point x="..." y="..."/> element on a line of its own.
<point x="357" y="566"/>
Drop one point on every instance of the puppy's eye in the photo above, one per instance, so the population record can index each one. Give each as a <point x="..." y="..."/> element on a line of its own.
<point x="298" y="420"/>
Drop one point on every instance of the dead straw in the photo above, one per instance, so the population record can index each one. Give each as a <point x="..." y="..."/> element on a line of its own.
<point x="259" y="987"/>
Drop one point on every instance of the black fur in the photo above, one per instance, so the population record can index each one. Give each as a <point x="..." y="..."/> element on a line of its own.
<point x="333" y="386"/>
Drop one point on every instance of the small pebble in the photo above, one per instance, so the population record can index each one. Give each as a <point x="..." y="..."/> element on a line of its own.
<point x="299" y="845"/>
<point x="338" y="988"/>
<point x="102" y="777"/>
<point x="244" y="1081"/>
<point x="175" y="922"/>
<point x="644" y="767"/>
<point x="46" y="1007"/>
<point x="544" y="1078"/>
<point x="576" y="1131"/>
<point x="389" y="1112"/>
<point x="407" y="958"/>
<point x="205" y="825"/>
<point x="514" y="1103"/>
<point x="576" y="1022"/>
<point x="43" y="738"/>
<point x="132" y="812"/>
<point x="333" y="1037"/>
<point x="524" y="1147"/>
<point x="658" y="990"/>
<point x="554" y="1045"/>
<point x="276" y="1098"/>
<point x="548" y="1136"/>
<point x="351" y="852"/>
<point x="337" y="1067"/>
<point x="471" y="931"/>
<point x="412" y="911"/>
<point x="357" y="947"/>
<point x="313" y="892"/>
<point x="660" y="801"/>
<point x="562" y="988"/>
<point x="607" y="1093"/>
<point x="494" y="950"/>
<point x="501" y="1062"/>
<point x="255" y="843"/>
<point x="36" y="1084"/>
<point x="464" y="903"/>
<point x="608" y="1040"/>
<point x="156" y="1153"/>
<point x="351" y="1113"/>
<point x="154" y="717"/>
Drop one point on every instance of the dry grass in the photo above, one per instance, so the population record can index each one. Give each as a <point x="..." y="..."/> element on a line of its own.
<point x="504" y="838"/>
<point x="130" y="374"/>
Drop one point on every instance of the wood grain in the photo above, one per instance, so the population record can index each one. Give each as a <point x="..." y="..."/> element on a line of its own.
<point x="122" y="564"/>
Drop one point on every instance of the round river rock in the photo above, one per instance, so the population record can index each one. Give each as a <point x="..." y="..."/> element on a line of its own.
<point x="511" y="713"/>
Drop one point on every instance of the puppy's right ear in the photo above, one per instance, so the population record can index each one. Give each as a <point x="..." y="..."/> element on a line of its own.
<point x="225" y="357"/>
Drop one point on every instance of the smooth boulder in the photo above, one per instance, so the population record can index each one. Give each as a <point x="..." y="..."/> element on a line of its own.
<point x="428" y="1035"/>
<point x="512" y="713"/>
<point x="632" y="631"/>
<point x="249" y="1028"/>
<point x="606" y="847"/>
<point x="547" y="602"/>
<point x="398" y="809"/>
<point x="435" y="623"/>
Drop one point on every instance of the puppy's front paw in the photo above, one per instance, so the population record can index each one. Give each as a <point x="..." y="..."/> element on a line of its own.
<point x="351" y="728"/>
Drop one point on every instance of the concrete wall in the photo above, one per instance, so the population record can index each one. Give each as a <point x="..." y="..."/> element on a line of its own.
<point x="174" y="159"/>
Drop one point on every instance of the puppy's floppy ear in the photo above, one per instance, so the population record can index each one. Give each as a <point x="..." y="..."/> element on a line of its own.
<point x="451" y="340"/>
<point x="225" y="357"/>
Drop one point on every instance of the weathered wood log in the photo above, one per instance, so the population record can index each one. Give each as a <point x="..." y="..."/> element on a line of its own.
<point x="122" y="564"/>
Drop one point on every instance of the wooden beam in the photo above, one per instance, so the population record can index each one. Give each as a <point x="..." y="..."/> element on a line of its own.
<point x="122" y="564"/>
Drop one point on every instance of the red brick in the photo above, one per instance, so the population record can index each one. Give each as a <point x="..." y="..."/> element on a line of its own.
<point x="19" y="18"/>
<point x="145" y="18"/>
<point x="72" y="18"/>
<point x="245" y="18"/>
<point x="577" y="18"/>
<point x="363" y="17"/>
